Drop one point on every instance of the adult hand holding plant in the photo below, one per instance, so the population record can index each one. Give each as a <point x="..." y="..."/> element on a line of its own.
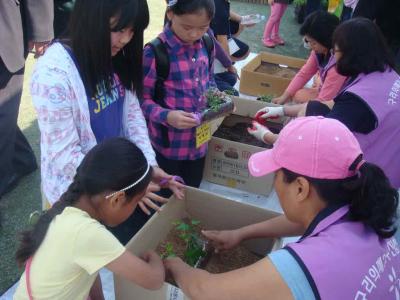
<point x="223" y="239"/>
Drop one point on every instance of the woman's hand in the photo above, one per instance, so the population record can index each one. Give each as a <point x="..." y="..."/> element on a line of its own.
<point x="181" y="120"/>
<point x="259" y="131"/>
<point x="271" y="112"/>
<point x="280" y="100"/>
<point x="148" y="200"/>
<point x="223" y="239"/>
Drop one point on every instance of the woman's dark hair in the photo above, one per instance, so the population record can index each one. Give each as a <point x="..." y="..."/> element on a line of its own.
<point x="109" y="166"/>
<point x="89" y="31"/>
<point x="362" y="47"/>
<point x="372" y="199"/>
<point x="183" y="7"/>
<point x="320" y="25"/>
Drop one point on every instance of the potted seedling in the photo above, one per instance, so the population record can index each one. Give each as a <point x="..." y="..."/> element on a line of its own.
<point x="267" y="98"/>
<point x="217" y="104"/>
<point x="195" y="249"/>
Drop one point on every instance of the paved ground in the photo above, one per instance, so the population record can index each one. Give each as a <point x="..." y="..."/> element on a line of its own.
<point x="16" y="206"/>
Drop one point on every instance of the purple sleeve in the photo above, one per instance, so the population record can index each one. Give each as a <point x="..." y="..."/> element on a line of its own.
<point x="220" y="53"/>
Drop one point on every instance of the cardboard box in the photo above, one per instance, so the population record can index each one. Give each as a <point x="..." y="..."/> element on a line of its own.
<point x="256" y="83"/>
<point x="214" y="212"/>
<point x="226" y="160"/>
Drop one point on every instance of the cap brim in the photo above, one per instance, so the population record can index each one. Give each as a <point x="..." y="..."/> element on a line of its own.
<point x="262" y="163"/>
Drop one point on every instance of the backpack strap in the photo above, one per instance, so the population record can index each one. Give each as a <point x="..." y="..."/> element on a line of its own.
<point x="209" y="43"/>
<point x="162" y="69"/>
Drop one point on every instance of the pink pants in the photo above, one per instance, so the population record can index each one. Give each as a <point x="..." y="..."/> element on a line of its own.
<point x="272" y="27"/>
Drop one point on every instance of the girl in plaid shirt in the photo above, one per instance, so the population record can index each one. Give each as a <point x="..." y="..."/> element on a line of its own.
<point x="172" y="125"/>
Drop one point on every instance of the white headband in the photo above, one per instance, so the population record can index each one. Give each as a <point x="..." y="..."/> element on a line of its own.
<point x="133" y="184"/>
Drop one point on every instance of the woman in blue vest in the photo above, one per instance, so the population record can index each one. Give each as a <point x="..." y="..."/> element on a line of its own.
<point x="344" y="209"/>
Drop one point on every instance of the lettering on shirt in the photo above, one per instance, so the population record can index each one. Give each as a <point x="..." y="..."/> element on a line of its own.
<point x="103" y="99"/>
<point x="375" y="273"/>
<point x="394" y="92"/>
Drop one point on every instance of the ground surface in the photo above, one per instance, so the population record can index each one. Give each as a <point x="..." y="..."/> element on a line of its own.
<point x="16" y="206"/>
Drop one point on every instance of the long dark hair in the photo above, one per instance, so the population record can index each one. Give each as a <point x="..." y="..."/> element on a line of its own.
<point x="110" y="166"/>
<point x="363" y="48"/>
<point x="89" y="31"/>
<point x="320" y="25"/>
<point x="183" y="7"/>
<point x="372" y="199"/>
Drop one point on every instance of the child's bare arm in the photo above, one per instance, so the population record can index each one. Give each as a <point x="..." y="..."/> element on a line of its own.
<point x="148" y="271"/>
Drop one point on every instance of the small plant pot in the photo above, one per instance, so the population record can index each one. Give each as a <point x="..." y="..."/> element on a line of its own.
<point x="224" y="109"/>
<point x="218" y="105"/>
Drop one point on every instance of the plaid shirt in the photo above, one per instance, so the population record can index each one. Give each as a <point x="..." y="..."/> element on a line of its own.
<point x="189" y="77"/>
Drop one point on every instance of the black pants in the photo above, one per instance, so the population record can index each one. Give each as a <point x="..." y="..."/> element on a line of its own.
<point x="226" y="81"/>
<point x="16" y="155"/>
<point x="191" y="171"/>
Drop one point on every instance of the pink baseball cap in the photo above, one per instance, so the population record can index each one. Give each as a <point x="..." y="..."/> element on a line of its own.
<point x="316" y="147"/>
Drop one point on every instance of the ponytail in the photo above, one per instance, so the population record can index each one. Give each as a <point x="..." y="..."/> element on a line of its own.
<point x="371" y="198"/>
<point x="31" y="239"/>
<point x="374" y="200"/>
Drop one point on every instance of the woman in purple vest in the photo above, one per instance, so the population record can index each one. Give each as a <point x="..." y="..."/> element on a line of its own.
<point x="369" y="103"/>
<point x="343" y="207"/>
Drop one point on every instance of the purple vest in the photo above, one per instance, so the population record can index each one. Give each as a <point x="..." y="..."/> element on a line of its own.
<point x="347" y="260"/>
<point x="381" y="91"/>
<point x="323" y="70"/>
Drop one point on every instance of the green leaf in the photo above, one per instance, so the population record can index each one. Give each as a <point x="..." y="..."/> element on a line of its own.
<point x="195" y="222"/>
<point x="183" y="227"/>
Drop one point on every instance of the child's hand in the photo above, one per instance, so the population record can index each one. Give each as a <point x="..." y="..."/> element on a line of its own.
<point x="271" y="2"/>
<point x="181" y="120"/>
<point x="233" y="70"/>
<point x="147" y="201"/>
<point x="224" y="239"/>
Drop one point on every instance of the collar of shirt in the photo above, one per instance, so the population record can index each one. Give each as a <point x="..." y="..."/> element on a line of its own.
<point x="175" y="43"/>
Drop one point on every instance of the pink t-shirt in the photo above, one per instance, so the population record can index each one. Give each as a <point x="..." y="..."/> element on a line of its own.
<point x="329" y="88"/>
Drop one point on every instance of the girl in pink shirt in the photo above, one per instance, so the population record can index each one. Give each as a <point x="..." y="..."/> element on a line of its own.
<point x="317" y="30"/>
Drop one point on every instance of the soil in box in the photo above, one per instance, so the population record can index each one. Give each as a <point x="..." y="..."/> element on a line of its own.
<point x="188" y="231"/>
<point x="237" y="131"/>
<point x="276" y="70"/>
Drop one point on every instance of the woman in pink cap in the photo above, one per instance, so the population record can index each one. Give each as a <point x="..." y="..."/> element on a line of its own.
<point x="343" y="207"/>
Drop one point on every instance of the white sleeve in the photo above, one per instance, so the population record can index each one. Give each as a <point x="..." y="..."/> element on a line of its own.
<point x="61" y="152"/>
<point x="135" y="128"/>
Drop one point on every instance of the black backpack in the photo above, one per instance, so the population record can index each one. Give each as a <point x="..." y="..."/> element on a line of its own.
<point x="162" y="70"/>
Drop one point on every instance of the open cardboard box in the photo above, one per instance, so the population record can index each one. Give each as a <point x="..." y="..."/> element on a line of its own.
<point x="257" y="83"/>
<point x="214" y="212"/>
<point x="226" y="160"/>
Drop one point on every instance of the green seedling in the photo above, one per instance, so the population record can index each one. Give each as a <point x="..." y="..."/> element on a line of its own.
<point x="230" y="92"/>
<point x="194" y="245"/>
<point x="214" y="99"/>
<point x="266" y="98"/>
<point x="169" y="251"/>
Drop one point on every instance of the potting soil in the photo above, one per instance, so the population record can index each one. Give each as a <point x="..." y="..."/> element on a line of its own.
<point x="215" y="262"/>
<point x="238" y="132"/>
<point x="276" y="70"/>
